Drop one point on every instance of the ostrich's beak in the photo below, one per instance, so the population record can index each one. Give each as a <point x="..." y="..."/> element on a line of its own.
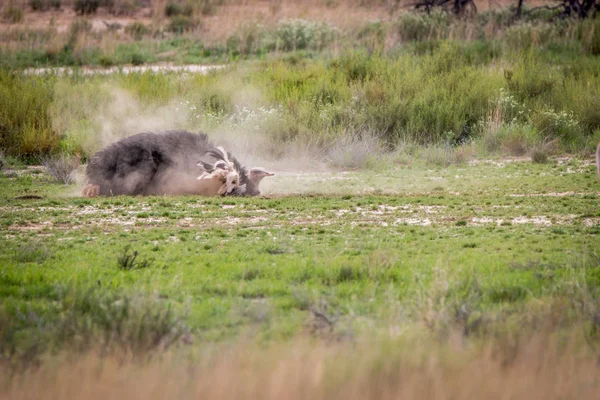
<point x="269" y="174"/>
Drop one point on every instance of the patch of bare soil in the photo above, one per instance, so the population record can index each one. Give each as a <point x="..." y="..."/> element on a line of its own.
<point x="156" y="68"/>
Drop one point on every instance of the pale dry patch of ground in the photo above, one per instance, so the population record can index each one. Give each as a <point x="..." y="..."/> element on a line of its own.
<point x="127" y="69"/>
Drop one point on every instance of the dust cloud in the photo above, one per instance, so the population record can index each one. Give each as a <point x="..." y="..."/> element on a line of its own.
<point x="240" y="133"/>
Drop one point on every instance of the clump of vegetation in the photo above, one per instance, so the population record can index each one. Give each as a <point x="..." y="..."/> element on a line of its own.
<point x="45" y="5"/>
<point x="355" y="151"/>
<point x="299" y="34"/>
<point x="122" y="7"/>
<point x="32" y="252"/>
<point x="61" y="167"/>
<point x="25" y="123"/>
<point x="128" y="261"/>
<point x="86" y="7"/>
<point x="13" y="15"/>
<point x="541" y="151"/>
<point x="179" y="24"/>
<point x="176" y="9"/>
<point x="137" y="30"/>
<point x="128" y="325"/>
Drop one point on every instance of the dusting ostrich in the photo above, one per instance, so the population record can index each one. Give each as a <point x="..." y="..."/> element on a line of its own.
<point x="248" y="183"/>
<point x="222" y="171"/>
<point x="167" y="163"/>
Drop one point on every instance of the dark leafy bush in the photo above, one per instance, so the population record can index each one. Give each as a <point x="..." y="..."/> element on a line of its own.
<point x="129" y="260"/>
<point x="38" y="5"/>
<point x="138" y="59"/>
<point x="180" y="24"/>
<point x="86" y="7"/>
<point x="175" y="9"/>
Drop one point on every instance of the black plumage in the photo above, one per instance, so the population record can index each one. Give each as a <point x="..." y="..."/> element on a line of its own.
<point x="156" y="164"/>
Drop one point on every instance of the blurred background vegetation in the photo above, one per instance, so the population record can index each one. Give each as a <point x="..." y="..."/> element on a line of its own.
<point x="361" y="75"/>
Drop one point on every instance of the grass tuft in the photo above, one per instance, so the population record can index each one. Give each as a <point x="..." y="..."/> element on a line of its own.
<point x="62" y="168"/>
<point x="128" y="260"/>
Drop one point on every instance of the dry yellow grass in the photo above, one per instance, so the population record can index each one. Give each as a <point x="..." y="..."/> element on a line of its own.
<point x="540" y="368"/>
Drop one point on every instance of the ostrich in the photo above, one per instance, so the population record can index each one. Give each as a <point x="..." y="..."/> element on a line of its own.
<point x="222" y="171"/>
<point x="248" y="184"/>
<point x="157" y="164"/>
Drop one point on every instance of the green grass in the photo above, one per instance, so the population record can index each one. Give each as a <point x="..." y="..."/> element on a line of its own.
<point x="445" y="98"/>
<point x="490" y="240"/>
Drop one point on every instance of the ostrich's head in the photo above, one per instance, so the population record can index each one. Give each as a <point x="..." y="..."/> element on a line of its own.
<point x="257" y="174"/>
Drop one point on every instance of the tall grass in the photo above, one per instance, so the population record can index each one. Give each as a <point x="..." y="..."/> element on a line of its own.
<point x="450" y="95"/>
<point x="543" y="367"/>
<point x="25" y="123"/>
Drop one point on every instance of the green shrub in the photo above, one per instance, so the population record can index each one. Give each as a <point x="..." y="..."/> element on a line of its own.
<point x="138" y="59"/>
<point x="180" y="24"/>
<point x="560" y="125"/>
<point x="176" y="9"/>
<point x="413" y="26"/>
<point x="38" y="5"/>
<point x="299" y="34"/>
<point x="532" y="79"/>
<point x="86" y="7"/>
<point x="106" y="61"/>
<point x="137" y="30"/>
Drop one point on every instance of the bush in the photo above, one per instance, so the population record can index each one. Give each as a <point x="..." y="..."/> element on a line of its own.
<point x="62" y="168"/>
<point x="44" y="5"/>
<point x="137" y="30"/>
<point x="299" y="34"/>
<point x="86" y="7"/>
<point x="355" y="151"/>
<point x="180" y="24"/>
<point x="138" y="59"/>
<point x="38" y="5"/>
<point x="175" y="9"/>
<point x="122" y="7"/>
<point x="129" y="260"/>
<point x="106" y="61"/>
<point x="558" y="125"/>
<point x="414" y="26"/>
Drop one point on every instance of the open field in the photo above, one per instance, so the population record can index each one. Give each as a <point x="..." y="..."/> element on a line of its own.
<point x="467" y="261"/>
<point x="432" y="229"/>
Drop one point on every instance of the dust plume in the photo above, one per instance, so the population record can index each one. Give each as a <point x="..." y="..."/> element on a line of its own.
<point x="249" y="132"/>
